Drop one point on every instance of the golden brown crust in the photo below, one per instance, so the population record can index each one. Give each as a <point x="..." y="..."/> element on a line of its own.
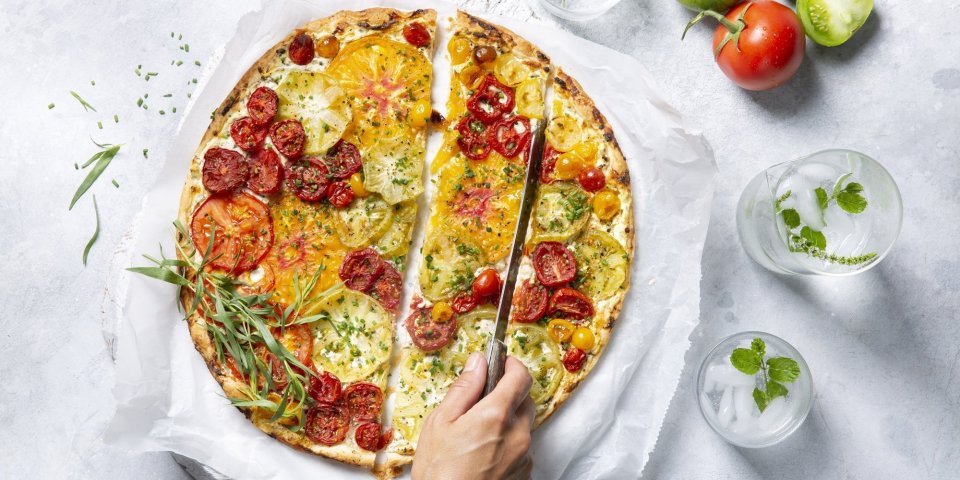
<point x="355" y="24"/>
<point x="485" y="33"/>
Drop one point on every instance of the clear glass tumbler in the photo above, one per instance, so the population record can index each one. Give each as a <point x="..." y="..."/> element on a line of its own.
<point x="729" y="400"/>
<point x="836" y="212"/>
<point x="578" y="9"/>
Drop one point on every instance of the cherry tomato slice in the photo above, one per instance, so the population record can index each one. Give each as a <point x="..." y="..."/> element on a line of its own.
<point x="388" y="288"/>
<point x="327" y="423"/>
<point x="427" y="334"/>
<point x="325" y="388"/>
<point x="548" y="164"/>
<point x="308" y="178"/>
<point x="262" y="105"/>
<point x="473" y="139"/>
<point x="464" y="302"/>
<point x="223" y="170"/>
<point x="491" y="101"/>
<point x="301" y="49"/>
<point x="289" y="138"/>
<point x="343" y="159"/>
<point x="592" y="179"/>
<point x="573" y="359"/>
<point x="416" y="34"/>
<point x="247" y="134"/>
<point x="554" y="264"/>
<point x="511" y="135"/>
<point x="368" y="436"/>
<point x="364" y="401"/>
<point x="361" y="268"/>
<point x="339" y="194"/>
<point x="530" y="302"/>
<point x="487" y="284"/>
<point x="243" y="231"/>
<point x="571" y="304"/>
<point x="266" y="172"/>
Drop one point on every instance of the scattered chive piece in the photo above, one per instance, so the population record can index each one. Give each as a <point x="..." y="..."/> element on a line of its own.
<point x="171" y="62"/>
<point x="139" y="67"/>
<point x="114" y="182"/>
<point x="174" y="109"/>
<point x="86" y="106"/>
<point x="193" y="80"/>
<point x="179" y="62"/>
<point x="116" y="118"/>
<point x="186" y="47"/>
<point x="145" y="95"/>
<point x="93" y="83"/>
<point x="171" y="34"/>
<point x="189" y="95"/>
<point x="96" y="232"/>
<point x="137" y="71"/>
<point x="196" y="62"/>
<point x="180" y="37"/>
<point x="75" y="166"/>
<point x="49" y="107"/>
<point x="162" y="112"/>
<point x="100" y="125"/>
<point x="139" y="102"/>
<point x="168" y="95"/>
<point x="145" y="153"/>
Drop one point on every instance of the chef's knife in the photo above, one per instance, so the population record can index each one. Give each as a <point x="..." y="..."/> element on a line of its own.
<point x="496" y="349"/>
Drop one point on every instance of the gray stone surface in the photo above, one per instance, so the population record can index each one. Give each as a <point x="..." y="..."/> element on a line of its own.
<point x="883" y="346"/>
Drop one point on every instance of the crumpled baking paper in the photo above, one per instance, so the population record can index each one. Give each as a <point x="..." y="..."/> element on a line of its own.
<point x="167" y="400"/>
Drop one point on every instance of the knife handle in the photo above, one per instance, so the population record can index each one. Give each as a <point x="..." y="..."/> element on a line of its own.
<point x="496" y="357"/>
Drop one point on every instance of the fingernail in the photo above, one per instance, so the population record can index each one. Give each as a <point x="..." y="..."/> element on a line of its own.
<point x="473" y="362"/>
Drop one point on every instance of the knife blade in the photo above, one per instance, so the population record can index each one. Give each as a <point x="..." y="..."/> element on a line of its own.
<point x="496" y="349"/>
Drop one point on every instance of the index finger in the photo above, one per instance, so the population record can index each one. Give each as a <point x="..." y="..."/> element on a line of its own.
<point x="514" y="387"/>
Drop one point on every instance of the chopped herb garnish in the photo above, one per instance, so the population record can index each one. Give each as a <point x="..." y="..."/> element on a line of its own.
<point x="49" y="107"/>
<point x="102" y="159"/>
<point x="86" y="106"/>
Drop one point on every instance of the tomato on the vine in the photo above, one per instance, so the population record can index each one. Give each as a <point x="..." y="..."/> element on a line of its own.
<point x="759" y="43"/>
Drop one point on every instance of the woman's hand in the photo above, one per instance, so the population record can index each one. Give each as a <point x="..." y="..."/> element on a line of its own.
<point x="487" y="439"/>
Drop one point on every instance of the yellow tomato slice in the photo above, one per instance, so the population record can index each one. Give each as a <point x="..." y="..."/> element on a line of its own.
<point x="564" y="133"/>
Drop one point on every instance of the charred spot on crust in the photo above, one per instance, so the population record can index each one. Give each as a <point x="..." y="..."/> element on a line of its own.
<point x="379" y="21"/>
<point x="436" y="118"/>
<point x="624" y="178"/>
<point x="228" y="104"/>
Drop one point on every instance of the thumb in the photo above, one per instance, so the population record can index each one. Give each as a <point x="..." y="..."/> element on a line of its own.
<point x="466" y="390"/>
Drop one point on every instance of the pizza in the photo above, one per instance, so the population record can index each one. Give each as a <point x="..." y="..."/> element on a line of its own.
<point x="298" y="215"/>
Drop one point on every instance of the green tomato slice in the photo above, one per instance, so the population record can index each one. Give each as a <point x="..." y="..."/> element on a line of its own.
<point x="448" y="265"/>
<point x="562" y="209"/>
<point x="354" y="335"/>
<point x="364" y="221"/>
<point x="396" y="240"/>
<point x="602" y="264"/>
<point x="530" y="344"/>
<point x="833" y="22"/>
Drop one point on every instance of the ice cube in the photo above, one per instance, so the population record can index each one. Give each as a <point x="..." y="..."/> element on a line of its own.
<point x="725" y="412"/>
<point x="746" y="426"/>
<point x="808" y="207"/>
<point x="724" y="375"/>
<point x="743" y="402"/>
<point x="775" y="415"/>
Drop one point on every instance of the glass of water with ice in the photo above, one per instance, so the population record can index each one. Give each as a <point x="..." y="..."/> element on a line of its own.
<point x="835" y="212"/>
<point x="754" y="389"/>
<point x="578" y="9"/>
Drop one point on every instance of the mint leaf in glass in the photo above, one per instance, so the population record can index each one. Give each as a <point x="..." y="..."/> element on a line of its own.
<point x="757" y="345"/>
<point x="761" y="398"/>
<point x="815" y="238"/>
<point x="746" y="360"/>
<point x="775" y="390"/>
<point x="791" y="218"/>
<point x="783" y="369"/>
<point x="822" y="198"/>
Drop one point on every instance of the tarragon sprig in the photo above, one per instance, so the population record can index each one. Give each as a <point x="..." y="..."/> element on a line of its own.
<point x="776" y="371"/>
<point x="239" y="324"/>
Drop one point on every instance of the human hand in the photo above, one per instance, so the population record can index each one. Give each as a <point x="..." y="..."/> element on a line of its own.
<point x="464" y="438"/>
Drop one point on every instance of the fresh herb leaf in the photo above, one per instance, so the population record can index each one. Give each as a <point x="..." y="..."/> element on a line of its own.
<point x="758" y="345"/>
<point x="103" y="161"/>
<point x="86" y="106"/>
<point x="162" y="274"/>
<point x="96" y="231"/>
<point x="851" y="200"/>
<point x="775" y="389"/>
<point x="783" y="369"/>
<point x="760" y="398"/>
<point x="746" y="360"/>
<point x="822" y="198"/>
<point x="815" y="238"/>
<point x="791" y="217"/>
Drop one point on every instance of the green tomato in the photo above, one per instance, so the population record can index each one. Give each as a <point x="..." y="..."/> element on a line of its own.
<point x="719" y="6"/>
<point x="833" y="22"/>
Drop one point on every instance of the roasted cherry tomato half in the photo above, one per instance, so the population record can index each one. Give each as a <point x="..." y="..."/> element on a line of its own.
<point x="327" y="423"/>
<point x="464" y="302"/>
<point x="224" y="170"/>
<point x="571" y="304"/>
<point x="301" y="49"/>
<point x="247" y="134"/>
<point x="573" y="359"/>
<point x="364" y="401"/>
<point x="491" y="101"/>
<point x="343" y="160"/>
<point x="530" y="302"/>
<point x="429" y="335"/>
<point x="473" y="139"/>
<point x="262" y="105"/>
<point x="548" y="163"/>
<point x="339" y="194"/>
<point x="266" y="172"/>
<point x="308" y="178"/>
<point x="388" y="288"/>
<point x="487" y="284"/>
<point x="554" y="264"/>
<point x="560" y="330"/>
<point x="416" y="34"/>
<point x="361" y="269"/>
<point x="325" y="387"/>
<point x="592" y="179"/>
<point x="289" y="138"/>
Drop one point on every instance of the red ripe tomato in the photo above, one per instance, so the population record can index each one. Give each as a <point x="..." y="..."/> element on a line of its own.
<point x="388" y="288"/>
<point x="510" y="135"/>
<point x="416" y="34"/>
<point x="571" y="304"/>
<point x="325" y="388"/>
<point x="592" y="179"/>
<point x="343" y="160"/>
<point x="429" y="335"/>
<point x="339" y="194"/>
<point x="361" y="268"/>
<point x="364" y="401"/>
<point x="247" y="134"/>
<point x="289" y="137"/>
<point x="554" y="264"/>
<point x="530" y="302"/>
<point x="242" y="230"/>
<point x="573" y="359"/>
<point x="548" y="163"/>
<point x="487" y="284"/>
<point x="266" y="172"/>
<point x="308" y="178"/>
<point x="491" y="101"/>
<point x="464" y="302"/>
<point x="759" y="44"/>
<point x="473" y="141"/>
<point x="327" y="423"/>
<point x="301" y="49"/>
<point x="262" y="105"/>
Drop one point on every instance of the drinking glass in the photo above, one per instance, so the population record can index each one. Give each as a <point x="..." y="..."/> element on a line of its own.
<point x="578" y="9"/>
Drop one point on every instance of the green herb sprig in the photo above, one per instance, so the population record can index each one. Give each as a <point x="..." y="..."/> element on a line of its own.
<point x="776" y="371"/>
<point x="102" y="160"/>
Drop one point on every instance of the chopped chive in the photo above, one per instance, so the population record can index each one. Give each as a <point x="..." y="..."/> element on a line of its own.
<point x="179" y="62"/>
<point x="180" y="37"/>
<point x="100" y="125"/>
<point x="137" y="71"/>
<point x="114" y="182"/>
<point x="139" y="102"/>
<point x="139" y="67"/>
<point x="186" y="47"/>
<point x="50" y="107"/>
<point x="193" y="80"/>
<point x="75" y="166"/>
<point x="116" y="118"/>
<point x="145" y="153"/>
<point x="171" y="34"/>
<point x="174" y="109"/>
<point x="171" y="62"/>
<point x="168" y="95"/>
<point x="146" y="95"/>
<point x="162" y="112"/>
<point x="196" y="62"/>
<point x="189" y="95"/>
<point x="93" y="83"/>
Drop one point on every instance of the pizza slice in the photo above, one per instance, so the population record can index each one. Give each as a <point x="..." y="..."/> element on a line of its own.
<point x="301" y="203"/>
<point x="496" y="99"/>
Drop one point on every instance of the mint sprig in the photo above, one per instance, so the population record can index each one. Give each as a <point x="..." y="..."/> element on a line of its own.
<point x="776" y="371"/>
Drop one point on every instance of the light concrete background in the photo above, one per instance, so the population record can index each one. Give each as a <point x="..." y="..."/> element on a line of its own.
<point x="883" y="346"/>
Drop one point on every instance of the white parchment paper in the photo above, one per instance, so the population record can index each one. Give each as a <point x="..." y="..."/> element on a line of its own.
<point x="167" y="400"/>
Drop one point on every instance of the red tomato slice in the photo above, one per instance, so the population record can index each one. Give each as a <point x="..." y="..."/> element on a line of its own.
<point x="510" y="135"/>
<point x="223" y="170"/>
<point x="573" y="359"/>
<point x="364" y="401"/>
<point x="325" y="388"/>
<point x="487" y="284"/>
<point x="530" y="302"/>
<point x="247" y="134"/>
<point x="554" y="264"/>
<point x="416" y="34"/>
<point x="327" y="423"/>
<point x="548" y="163"/>
<point x="361" y="268"/>
<point x="339" y="194"/>
<point x="473" y="141"/>
<point x="301" y="49"/>
<point x="427" y="334"/>
<point x="289" y="138"/>
<point x="491" y="100"/>
<point x="368" y="436"/>
<point x="388" y="288"/>
<point x="308" y="178"/>
<point x="571" y="304"/>
<point x="343" y="160"/>
<point x="592" y="179"/>
<point x="473" y="201"/>
<point x="464" y="302"/>
<point x="242" y="229"/>
<point x="262" y="105"/>
<point x="266" y="172"/>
